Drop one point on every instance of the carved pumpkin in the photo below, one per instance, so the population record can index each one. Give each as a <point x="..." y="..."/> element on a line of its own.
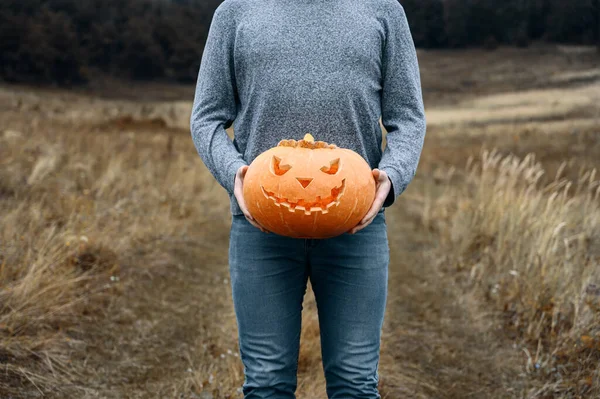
<point x="308" y="189"/>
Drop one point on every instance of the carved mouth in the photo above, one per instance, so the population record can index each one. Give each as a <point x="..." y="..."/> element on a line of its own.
<point x="319" y="205"/>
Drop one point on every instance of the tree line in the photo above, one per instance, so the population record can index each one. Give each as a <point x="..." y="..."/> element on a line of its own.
<point x="461" y="23"/>
<point x="68" y="41"/>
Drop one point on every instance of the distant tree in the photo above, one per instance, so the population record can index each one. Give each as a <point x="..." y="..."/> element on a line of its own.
<point x="426" y="20"/>
<point x="65" y="64"/>
<point x="141" y="57"/>
<point x="185" y="61"/>
<point x="571" y="21"/>
<point x="12" y="28"/>
<point x="456" y="23"/>
<point x="597" y="13"/>
<point x="102" y="45"/>
<point x="537" y="18"/>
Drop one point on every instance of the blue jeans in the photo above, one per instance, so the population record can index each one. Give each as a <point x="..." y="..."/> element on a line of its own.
<point x="348" y="275"/>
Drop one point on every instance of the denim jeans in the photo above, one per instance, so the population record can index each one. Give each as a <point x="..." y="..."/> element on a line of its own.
<point x="348" y="275"/>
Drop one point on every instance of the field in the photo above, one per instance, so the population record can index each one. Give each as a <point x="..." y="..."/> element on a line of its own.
<point x="113" y="241"/>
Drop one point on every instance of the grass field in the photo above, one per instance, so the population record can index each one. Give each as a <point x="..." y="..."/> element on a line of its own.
<point x="113" y="242"/>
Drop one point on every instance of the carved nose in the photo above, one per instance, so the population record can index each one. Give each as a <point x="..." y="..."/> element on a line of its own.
<point x="304" y="182"/>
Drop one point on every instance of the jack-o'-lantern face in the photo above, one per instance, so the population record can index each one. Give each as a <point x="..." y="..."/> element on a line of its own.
<point x="312" y="198"/>
<point x="308" y="189"/>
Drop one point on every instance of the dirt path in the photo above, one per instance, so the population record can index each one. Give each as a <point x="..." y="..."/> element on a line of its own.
<point x="169" y="328"/>
<point x="177" y="335"/>
<point x="433" y="346"/>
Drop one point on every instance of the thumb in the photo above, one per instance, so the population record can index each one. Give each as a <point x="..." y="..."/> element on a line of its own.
<point x="376" y="173"/>
<point x="242" y="171"/>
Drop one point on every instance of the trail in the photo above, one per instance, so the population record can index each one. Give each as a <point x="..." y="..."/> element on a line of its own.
<point x="433" y="344"/>
<point x="177" y="335"/>
<point x="172" y="333"/>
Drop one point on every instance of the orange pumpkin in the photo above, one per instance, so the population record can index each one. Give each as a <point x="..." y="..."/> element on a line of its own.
<point x="308" y="189"/>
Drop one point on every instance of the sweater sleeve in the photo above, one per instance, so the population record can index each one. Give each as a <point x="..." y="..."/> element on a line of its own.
<point x="402" y="109"/>
<point x="215" y="101"/>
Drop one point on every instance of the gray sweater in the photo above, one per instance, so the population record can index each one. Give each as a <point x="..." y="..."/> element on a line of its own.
<point x="278" y="69"/>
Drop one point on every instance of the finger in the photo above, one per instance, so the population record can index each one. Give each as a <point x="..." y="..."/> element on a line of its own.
<point x="262" y="228"/>
<point x="254" y="223"/>
<point x="238" y="191"/>
<point x="361" y="226"/>
<point x="367" y="217"/>
<point x="375" y="207"/>
<point x="376" y="174"/>
<point x="242" y="204"/>
<point x="377" y="204"/>
<point x="364" y="223"/>
<point x="258" y="226"/>
<point x="239" y="176"/>
<point x="380" y="195"/>
<point x="246" y="213"/>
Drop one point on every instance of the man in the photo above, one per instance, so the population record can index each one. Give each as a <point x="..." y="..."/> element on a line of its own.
<point x="278" y="69"/>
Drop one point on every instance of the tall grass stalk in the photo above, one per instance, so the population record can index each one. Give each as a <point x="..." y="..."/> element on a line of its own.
<point x="533" y="249"/>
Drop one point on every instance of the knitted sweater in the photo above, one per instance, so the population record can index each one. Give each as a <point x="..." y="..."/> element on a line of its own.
<point x="278" y="69"/>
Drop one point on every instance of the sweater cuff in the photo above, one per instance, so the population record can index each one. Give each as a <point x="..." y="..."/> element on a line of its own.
<point x="397" y="186"/>
<point x="232" y="169"/>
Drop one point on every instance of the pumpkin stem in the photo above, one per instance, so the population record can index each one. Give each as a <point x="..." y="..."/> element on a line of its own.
<point x="307" y="142"/>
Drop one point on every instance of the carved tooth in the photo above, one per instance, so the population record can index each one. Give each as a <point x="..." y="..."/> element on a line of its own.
<point x="264" y="192"/>
<point x="308" y="207"/>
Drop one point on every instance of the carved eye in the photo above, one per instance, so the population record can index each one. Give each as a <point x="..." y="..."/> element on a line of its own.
<point x="278" y="168"/>
<point x="333" y="167"/>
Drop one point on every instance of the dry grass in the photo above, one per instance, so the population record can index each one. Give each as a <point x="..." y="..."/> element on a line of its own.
<point x="521" y="107"/>
<point x="74" y="209"/>
<point x="113" y="245"/>
<point x="534" y="252"/>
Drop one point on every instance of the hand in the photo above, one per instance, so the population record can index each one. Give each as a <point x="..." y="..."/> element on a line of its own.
<point x="383" y="188"/>
<point x="238" y="191"/>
